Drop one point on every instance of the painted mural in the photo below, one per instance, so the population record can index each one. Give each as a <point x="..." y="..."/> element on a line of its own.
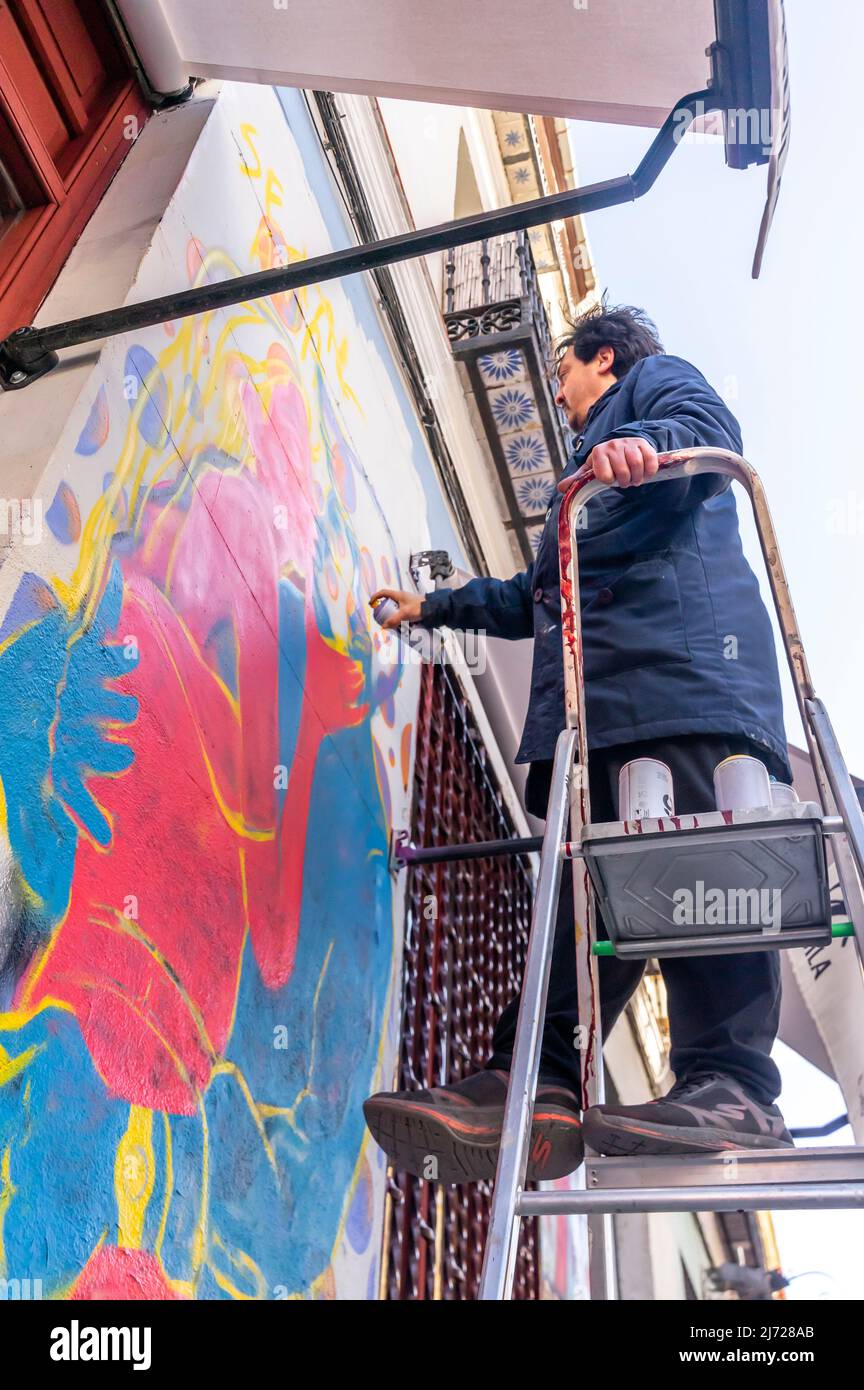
<point x="203" y="745"/>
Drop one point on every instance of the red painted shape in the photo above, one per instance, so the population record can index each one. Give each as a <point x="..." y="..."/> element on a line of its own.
<point x="112" y="1273"/>
<point x="154" y="991"/>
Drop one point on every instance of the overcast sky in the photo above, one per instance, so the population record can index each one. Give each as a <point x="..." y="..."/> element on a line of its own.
<point x="785" y="351"/>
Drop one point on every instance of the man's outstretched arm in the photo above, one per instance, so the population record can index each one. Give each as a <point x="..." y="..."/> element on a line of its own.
<point x="498" y="607"/>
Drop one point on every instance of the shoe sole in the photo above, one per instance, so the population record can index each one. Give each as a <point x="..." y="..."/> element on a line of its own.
<point x="612" y="1135"/>
<point x="467" y="1151"/>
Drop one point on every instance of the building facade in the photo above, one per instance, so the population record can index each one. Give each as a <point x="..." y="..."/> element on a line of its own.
<point x="207" y="959"/>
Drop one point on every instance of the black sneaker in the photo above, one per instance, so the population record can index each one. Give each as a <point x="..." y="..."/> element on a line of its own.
<point x="450" y="1134"/>
<point x="701" y="1114"/>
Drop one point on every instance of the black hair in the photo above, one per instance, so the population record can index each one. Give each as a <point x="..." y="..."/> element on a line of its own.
<point x="628" y="331"/>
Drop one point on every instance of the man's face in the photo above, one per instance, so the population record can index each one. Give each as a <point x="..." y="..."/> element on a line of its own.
<point x="580" y="383"/>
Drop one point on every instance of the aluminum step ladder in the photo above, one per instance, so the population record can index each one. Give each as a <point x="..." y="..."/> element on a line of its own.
<point x="627" y="866"/>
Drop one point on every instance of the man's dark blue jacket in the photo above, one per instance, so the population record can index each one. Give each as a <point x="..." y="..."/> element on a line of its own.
<point x="676" y="636"/>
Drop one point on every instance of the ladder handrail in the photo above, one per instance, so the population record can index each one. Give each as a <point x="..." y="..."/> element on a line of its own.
<point x="510" y="1201"/>
<point x="832" y="775"/>
<point x="690" y="463"/>
<point x="683" y="463"/>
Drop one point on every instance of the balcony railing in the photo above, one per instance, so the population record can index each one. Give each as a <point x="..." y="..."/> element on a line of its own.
<point x="497" y="326"/>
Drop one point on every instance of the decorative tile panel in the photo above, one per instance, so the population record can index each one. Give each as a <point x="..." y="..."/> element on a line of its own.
<point x="535" y="492"/>
<point x="513" y="407"/>
<point x="526" y="452"/>
<point x="508" y="365"/>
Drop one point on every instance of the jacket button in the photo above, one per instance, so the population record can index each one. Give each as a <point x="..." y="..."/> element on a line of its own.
<point x="538" y="595"/>
<point x="605" y="596"/>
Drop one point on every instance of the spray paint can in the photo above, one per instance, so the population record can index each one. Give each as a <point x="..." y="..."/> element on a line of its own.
<point x="782" y="794"/>
<point x="419" y="639"/>
<point x="645" y="790"/>
<point x="741" y="784"/>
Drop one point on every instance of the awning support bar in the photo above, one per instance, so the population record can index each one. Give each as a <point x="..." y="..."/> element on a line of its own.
<point x="29" y="353"/>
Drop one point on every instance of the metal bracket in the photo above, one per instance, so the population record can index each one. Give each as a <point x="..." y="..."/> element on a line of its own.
<point x="19" y="365"/>
<point x="438" y="562"/>
<point x="396" y="862"/>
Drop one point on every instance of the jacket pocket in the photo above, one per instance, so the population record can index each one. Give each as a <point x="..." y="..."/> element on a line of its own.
<point x="634" y="618"/>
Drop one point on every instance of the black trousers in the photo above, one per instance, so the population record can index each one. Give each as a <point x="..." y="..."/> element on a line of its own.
<point x="723" y="1010"/>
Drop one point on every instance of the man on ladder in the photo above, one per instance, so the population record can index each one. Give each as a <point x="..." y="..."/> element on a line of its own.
<point x="679" y="666"/>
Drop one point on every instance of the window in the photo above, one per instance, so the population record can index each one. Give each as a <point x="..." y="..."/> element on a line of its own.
<point x="69" y="110"/>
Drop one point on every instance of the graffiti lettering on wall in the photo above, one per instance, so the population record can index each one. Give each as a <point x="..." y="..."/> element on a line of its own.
<point x="199" y="747"/>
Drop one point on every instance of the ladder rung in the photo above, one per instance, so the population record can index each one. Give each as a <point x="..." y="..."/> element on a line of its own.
<point x="803" y="1196"/>
<point x="825" y="1163"/>
<point x="838" y="929"/>
<point x="818" y="1178"/>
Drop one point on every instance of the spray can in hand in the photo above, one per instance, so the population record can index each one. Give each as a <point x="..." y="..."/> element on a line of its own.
<point x="419" y="639"/>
